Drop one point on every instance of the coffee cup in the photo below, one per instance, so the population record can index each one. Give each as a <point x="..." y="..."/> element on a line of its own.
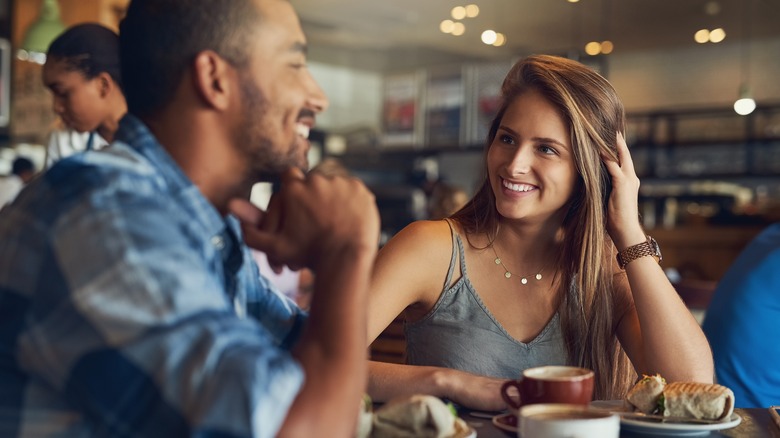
<point x="566" y="421"/>
<point x="551" y="384"/>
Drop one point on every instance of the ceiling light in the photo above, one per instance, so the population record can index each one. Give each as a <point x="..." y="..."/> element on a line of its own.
<point x="717" y="35"/>
<point x="458" y="12"/>
<point x="593" y="48"/>
<point x="500" y="39"/>
<point x="745" y="104"/>
<point x="472" y="10"/>
<point x="573" y="1"/>
<point x="446" y="26"/>
<point x="607" y="47"/>
<point x="458" y="29"/>
<point x="702" y="36"/>
<point x="489" y="37"/>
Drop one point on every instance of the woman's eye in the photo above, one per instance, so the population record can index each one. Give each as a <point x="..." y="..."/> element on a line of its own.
<point x="507" y="139"/>
<point x="547" y="149"/>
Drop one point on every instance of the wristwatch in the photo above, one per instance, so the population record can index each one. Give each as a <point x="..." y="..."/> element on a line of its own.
<point x="647" y="248"/>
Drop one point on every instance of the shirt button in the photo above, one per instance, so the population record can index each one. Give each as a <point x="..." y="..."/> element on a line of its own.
<point x="218" y="242"/>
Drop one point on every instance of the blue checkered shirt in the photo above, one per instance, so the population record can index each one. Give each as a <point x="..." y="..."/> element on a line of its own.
<point x="123" y="304"/>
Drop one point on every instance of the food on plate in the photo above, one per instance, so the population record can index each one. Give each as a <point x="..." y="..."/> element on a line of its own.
<point x="415" y="416"/>
<point x="365" y="418"/>
<point x="652" y="395"/>
<point x="644" y="396"/>
<point x="698" y="400"/>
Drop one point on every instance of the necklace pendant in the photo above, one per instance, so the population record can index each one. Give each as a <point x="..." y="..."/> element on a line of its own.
<point x="507" y="274"/>
<point x="539" y="276"/>
<point x="524" y="280"/>
<point x="497" y="260"/>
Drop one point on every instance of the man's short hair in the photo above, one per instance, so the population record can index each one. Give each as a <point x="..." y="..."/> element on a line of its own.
<point x="159" y="39"/>
<point x="21" y="165"/>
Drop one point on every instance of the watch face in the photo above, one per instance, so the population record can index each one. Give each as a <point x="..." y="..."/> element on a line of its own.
<point x="656" y="249"/>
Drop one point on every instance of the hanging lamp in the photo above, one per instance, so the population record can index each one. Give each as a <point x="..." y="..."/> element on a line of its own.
<point x="45" y="29"/>
<point x="745" y="103"/>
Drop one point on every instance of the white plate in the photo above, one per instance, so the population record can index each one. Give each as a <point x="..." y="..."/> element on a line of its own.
<point x="668" y="428"/>
<point x="505" y="422"/>
<point x="463" y="430"/>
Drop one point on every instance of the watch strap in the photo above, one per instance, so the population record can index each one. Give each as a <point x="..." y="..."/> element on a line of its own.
<point x="644" y="249"/>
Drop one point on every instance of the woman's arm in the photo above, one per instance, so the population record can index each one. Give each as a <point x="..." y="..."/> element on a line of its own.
<point x="389" y="380"/>
<point x="410" y="272"/>
<point x="659" y="333"/>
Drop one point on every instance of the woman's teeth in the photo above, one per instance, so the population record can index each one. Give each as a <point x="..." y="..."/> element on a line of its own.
<point x="518" y="187"/>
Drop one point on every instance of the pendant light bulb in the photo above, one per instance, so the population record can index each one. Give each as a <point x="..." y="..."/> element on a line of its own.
<point x="745" y="104"/>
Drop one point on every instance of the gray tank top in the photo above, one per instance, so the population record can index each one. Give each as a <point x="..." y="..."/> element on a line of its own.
<point x="461" y="333"/>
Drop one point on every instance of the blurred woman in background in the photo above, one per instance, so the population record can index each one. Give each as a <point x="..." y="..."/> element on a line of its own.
<point x="82" y="72"/>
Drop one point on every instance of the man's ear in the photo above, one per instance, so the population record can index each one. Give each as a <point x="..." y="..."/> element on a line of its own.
<point x="212" y="77"/>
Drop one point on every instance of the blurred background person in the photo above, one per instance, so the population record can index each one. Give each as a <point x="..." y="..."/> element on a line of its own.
<point x="22" y="172"/>
<point x="82" y="71"/>
<point x="445" y="199"/>
<point x="740" y="320"/>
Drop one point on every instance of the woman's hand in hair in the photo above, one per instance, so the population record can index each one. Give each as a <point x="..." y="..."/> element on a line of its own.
<point x="623" y="210"/>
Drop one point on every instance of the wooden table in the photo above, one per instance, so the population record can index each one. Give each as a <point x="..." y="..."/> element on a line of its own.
<point x="755" y="423"/>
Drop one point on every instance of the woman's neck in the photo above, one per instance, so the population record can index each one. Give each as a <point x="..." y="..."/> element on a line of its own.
<point x="529" y="243"/>
<point x="108" y="128"/>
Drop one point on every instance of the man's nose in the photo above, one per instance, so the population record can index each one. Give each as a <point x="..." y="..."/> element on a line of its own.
<point x="316" y="100"/>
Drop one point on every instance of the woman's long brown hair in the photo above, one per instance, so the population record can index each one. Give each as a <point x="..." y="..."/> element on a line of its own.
<point x="594" y="115"/>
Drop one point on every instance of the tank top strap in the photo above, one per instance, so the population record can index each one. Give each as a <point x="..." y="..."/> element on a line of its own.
<point x="457" y="244"/>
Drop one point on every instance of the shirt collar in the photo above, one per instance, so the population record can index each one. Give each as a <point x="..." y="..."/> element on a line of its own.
<point x="136" y="134"/>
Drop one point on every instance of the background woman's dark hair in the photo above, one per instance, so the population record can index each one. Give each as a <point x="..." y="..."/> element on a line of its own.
<point x="90" y="49"/>
<point x="159" y="39"/>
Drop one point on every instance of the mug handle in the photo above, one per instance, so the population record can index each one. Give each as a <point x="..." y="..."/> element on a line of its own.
<point x="509" y="400"/>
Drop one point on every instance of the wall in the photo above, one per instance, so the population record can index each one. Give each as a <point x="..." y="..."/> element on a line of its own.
<point x="698" y="76"/>
<point x="355" y="97"/>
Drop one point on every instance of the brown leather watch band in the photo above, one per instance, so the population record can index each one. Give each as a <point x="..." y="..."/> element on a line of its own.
<point x="644" y="249"/>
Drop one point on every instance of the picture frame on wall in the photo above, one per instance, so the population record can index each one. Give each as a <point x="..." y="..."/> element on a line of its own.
<point x="401" y="114"/>
<point x="444" y="104"/>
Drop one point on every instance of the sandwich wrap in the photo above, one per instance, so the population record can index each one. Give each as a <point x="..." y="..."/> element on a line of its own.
<point x="365" y="420"/>
<point x="423" y="416"/>
<point x="698" y="400"/>
<point x="644" y="396"/>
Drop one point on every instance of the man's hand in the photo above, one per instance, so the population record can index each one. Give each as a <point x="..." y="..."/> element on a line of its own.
<point x="309" y="218"/>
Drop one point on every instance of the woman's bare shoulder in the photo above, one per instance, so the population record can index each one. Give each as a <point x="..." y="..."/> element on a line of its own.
<point x="425" y="232"/>
<point x="413" y="264"/>
<point x="430" y="241"/>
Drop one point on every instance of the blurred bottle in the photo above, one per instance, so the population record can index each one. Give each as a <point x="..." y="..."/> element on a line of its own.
<point x="670" y="213"/>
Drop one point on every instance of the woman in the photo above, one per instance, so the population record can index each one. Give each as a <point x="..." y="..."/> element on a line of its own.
<point x="82" y="71"/>
<point x="526" y="273"/>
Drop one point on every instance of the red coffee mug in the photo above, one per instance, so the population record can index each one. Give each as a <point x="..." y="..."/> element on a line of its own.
<point x="551" y="384"/>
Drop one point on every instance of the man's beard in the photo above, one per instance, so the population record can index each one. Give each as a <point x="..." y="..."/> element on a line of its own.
<point x="266" y="160"/>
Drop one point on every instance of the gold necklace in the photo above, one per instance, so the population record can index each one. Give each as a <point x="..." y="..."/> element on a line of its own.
<point x="507" y="274"/>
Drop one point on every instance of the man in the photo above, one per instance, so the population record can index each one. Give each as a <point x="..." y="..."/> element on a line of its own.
<point x="22" y="172"/>
<point x="123" y="279"/>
